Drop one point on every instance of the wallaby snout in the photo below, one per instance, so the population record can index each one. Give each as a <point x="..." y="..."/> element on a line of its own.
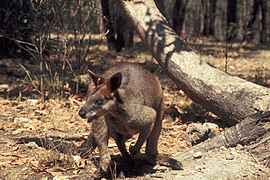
<point x="82" y="113"/>
<point x="87" y="115"/>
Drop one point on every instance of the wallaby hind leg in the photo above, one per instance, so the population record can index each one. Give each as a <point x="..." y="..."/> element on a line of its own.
<point x="120" y="139"/>
<point x="151" y="150"/>
<point x="145" y="116"/>
<point x="144" y="134"/>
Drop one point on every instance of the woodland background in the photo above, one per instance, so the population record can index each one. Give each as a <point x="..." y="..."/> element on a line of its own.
<point x="55" y="33"/>
<point x="47" y="46"/>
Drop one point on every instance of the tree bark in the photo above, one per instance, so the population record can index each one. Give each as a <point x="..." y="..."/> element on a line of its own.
<point x="205" y="8"/>
<point x="178" y="15"/>
<point x="231" y="20"/>
<point x="254" y="14"/>
<point x="108" y="24"/>
<point x="231" y="98"/>
<point x="253" y="131"/>
<point x="250" y="31"/>
<point x="99" y="16"/>
<point x="213" y="7"/>
<point x="264" y="32"/>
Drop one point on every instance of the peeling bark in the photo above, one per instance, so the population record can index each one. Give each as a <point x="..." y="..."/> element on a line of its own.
<point x="254" y="131"/>
<point x="231" y="98"/>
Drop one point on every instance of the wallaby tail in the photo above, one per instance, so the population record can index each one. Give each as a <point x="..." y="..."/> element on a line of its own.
<point x="165" y="160"/>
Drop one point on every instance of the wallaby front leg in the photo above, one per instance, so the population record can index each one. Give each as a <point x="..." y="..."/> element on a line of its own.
<point x="100" y="133"/>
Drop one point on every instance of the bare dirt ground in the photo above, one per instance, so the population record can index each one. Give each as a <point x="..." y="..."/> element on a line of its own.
<point x="22" y="115"/>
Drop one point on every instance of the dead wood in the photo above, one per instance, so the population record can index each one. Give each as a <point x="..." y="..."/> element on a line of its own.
<point x="232" y="99"/>
<point x="253" y="132"/>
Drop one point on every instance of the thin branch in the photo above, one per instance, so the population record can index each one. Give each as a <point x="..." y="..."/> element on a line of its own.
<point x="30" y="78"/>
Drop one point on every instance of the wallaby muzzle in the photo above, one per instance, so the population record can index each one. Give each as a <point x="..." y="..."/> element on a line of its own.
<point x="87" y="115"/>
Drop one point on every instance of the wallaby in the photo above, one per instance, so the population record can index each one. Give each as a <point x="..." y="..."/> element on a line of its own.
<point x="126" y="99"/>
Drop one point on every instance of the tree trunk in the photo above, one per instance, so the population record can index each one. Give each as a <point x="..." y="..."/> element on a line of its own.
<point x="108" y="24"/>
<point x="178" y="15"/>
<point x="213" y="7"/>
<point x="119" y="35"/>
<point x="99" y="16"/>
<point x="205" y="7"/>
<point x="264" y="32"/>
<point x="254" y="14"/>
<point x="120" y="40"/>
<point x="231" y="31"/>
<point x="253" y="131"/>
<point x="250" y="31"/>
<point x="233" y="99"/>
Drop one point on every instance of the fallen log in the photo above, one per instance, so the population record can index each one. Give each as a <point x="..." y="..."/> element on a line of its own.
<point x="233" y="99"/>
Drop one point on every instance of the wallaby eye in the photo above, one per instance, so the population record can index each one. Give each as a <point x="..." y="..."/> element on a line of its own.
<point x="98" y="102"/>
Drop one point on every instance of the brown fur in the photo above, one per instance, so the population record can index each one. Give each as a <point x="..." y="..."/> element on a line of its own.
<point x="126" y="100"/>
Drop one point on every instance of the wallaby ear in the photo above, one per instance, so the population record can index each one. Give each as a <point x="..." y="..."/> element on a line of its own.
<point x="115" y="82"/>
<point x="96" y="79"/>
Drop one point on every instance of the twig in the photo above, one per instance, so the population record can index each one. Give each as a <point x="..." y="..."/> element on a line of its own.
<point x="30" y="78"/>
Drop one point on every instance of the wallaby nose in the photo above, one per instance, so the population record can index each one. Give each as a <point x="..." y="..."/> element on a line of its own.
<point x="82" y="113"/>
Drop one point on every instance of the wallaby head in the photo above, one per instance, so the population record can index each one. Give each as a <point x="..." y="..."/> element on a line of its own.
<point x="102" y="98"/>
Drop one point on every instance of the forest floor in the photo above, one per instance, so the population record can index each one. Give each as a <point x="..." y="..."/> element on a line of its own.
<point x="24" y="115"/>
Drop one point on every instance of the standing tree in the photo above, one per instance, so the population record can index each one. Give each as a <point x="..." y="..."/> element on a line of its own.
<point x="231" y="20"/>
<point x="212" y="20"/>
<point x="108" y="27"/>
<point x="99" y="16"/>
<point x="254" y="14"/>
<point x="260" y="7"/>
<point x="119" y="35"/>
<point x="249" y="31"/>
<point x="265" y="27"/>
<point x="206" y="16"/>
<point x="178" y="15"/>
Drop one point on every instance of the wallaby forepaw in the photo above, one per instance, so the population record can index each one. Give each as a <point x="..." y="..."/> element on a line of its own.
<point x="105" y="164"/>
